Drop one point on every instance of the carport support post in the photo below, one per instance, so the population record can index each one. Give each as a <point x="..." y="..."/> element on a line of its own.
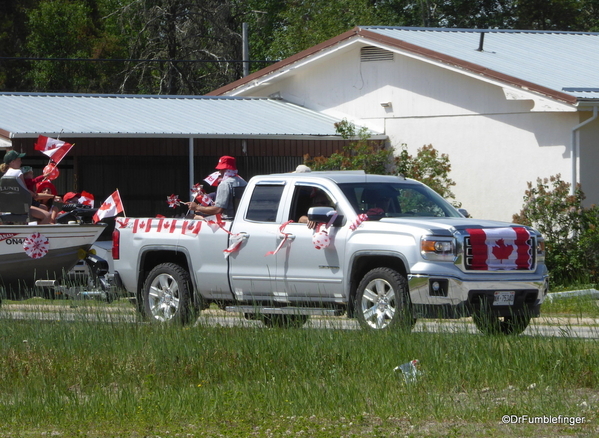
<point x="191" y="175"/>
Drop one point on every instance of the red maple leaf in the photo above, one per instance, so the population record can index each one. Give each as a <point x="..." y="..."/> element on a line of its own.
<point x="501" y="250"/>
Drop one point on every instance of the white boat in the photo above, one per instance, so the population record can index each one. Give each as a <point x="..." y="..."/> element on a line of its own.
<point x="29" y="253"/>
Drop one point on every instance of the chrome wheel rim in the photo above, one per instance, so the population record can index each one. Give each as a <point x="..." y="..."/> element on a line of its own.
<point x="163" y="297"/>
<point x="379" y="303"/>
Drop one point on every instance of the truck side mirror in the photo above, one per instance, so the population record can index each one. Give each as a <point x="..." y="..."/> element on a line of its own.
<point x="323" y="215"/>
<point x="464" y="212"/>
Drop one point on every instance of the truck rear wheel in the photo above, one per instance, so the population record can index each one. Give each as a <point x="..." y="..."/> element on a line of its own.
<point x="490" y="324"/>
<point x="382" y="301"/>
<point x="167" y="294"/>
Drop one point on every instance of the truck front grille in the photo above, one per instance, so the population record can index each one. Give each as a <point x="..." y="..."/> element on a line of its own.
<point x="469" y="264"/>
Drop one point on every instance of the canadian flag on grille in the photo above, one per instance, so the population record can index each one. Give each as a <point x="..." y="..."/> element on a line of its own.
<point x="501" y="248"/>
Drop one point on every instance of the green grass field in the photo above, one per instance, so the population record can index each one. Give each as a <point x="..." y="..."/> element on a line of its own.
<point x="101" y="379"/>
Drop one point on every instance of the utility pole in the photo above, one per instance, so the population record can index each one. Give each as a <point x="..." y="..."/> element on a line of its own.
<point x="245" y="49"/>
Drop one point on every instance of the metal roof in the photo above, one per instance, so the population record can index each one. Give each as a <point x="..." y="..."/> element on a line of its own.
<point x="567" y="62"/>
<point x="26" y="115"/>
<point x="561" y="65"/>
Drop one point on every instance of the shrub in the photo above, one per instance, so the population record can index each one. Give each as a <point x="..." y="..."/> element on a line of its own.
<point x="373" y="157"/>
<point x="361" y="153"/>
<point x="570" y="230"/>
<point x="427" y="167"/>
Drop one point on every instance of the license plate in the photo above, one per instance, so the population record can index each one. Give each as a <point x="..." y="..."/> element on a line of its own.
<point x="504" y="298"/>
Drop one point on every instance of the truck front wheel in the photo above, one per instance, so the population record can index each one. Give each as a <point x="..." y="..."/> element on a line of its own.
<point x="382" y="301"/>
<point x="167" y="294"/>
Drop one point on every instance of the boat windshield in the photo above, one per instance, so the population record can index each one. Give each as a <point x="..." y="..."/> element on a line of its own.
<point x="380" y="200"/>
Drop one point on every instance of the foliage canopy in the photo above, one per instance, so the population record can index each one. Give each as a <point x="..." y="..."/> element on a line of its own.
<point x="194" y="47"/>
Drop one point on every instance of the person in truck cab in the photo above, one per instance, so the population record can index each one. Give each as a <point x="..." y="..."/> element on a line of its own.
<point x="318" y="198"/>
<point x="223" y="201"/>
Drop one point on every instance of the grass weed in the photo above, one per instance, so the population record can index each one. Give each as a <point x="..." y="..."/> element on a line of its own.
<point x="99" y="378"/>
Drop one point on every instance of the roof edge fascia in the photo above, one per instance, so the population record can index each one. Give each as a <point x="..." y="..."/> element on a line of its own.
<point x="285" y="62"/>
<point x="17" y="135"/>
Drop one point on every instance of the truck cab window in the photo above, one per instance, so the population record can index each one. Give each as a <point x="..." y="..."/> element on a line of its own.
<point x="264" y="203"/>
<point x="305" y="197"/>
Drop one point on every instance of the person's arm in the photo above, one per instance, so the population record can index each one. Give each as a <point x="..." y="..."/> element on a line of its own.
<point x="206" y="210"/>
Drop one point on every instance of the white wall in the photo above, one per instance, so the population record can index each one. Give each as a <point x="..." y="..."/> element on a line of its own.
<point x="495" y="145"/>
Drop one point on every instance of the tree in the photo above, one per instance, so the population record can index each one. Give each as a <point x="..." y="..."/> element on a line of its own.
<point x="69" y="29"/>
<point x="194" y="47"/>
<point x="305" y="23"/>
<point x="13" y="32"/>
<point x="190" y="45"/>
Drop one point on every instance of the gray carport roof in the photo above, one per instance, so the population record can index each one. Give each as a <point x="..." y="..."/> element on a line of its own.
<point x="26" y="115"/>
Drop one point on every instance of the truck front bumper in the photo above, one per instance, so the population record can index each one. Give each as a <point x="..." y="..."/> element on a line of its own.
<point x="450" y="297"/>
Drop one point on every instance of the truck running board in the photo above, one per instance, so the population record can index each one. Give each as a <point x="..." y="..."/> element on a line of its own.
<point x="285" y="310"/>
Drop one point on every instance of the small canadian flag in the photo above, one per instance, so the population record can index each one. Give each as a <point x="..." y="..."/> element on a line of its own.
<point x="109" y="208"/>
<point x="86" y="199"/>
<point x="53" y="148"/>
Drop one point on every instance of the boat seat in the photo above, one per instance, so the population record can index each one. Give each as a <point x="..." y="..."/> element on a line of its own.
<point x="15" y="201"/>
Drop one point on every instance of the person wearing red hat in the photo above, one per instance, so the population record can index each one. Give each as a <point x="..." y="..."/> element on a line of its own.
<point x="223" y="202"/>
<point x="48" y="195"/>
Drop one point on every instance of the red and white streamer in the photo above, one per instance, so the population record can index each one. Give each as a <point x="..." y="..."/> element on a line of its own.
<point x="355" y="224"/>
<point x="236" y="242"/>
<point x="283" y="241"/>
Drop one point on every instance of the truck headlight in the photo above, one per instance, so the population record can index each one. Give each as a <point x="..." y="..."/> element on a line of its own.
<point x="440" y="249"/>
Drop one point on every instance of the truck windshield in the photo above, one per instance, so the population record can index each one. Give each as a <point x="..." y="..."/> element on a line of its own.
<point x="380" y="200"/>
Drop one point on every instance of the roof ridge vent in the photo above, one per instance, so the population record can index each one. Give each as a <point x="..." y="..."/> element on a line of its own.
<point x="372" y="54"/>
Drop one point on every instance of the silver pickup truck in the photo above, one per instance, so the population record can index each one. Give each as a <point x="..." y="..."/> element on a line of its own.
<point x="382" y="249"/>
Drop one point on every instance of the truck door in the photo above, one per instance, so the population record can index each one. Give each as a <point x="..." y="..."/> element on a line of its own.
<point x="304" y="272"/>
<point x="252" y="272"/>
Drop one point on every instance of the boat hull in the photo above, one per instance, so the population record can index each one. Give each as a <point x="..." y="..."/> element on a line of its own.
<point x="62" y="246"/>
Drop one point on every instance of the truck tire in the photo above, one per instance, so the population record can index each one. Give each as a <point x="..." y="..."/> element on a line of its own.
<point x="382" y="301"/>
<point x="167" y="294"/>
<point x="490" y="324"/>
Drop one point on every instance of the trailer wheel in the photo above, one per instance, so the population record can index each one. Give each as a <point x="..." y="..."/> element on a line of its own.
<point x="382" y="301"/>
<point x="495" y="325"/>
<point x="167" y="294"/>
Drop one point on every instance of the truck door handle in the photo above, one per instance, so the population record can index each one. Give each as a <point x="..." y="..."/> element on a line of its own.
<point x="289" y="236"/>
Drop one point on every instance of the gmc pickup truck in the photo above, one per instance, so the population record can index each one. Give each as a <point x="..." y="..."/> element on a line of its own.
<point x="385" y="250"/>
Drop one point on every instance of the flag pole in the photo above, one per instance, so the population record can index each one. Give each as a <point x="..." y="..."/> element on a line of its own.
<point x="124" y="214"/>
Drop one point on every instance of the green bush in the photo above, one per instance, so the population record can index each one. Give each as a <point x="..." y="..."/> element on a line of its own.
<point x="570" y="230"/>
<point x="362" y="153"/>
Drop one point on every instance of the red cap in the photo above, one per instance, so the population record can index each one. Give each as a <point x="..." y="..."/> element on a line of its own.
<point x="46" y="185"/>
<point x="226" y="162"/>
<point x="70" y="196"/>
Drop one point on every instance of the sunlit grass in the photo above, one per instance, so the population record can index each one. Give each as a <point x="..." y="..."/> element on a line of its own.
<point x="577" y="306"/>
<point x="136" y="379"/>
